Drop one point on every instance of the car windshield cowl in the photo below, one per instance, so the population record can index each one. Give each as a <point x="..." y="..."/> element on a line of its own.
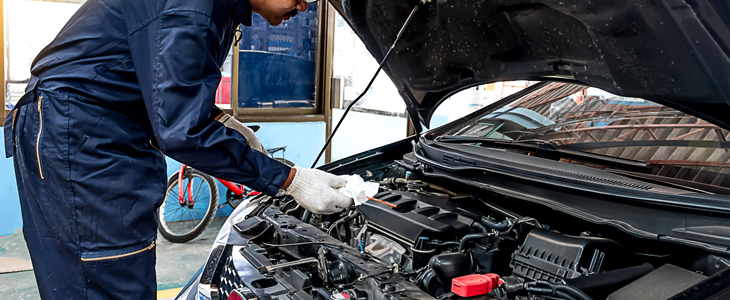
<point x="552" y="150"/>
<point x="575" y="119"/>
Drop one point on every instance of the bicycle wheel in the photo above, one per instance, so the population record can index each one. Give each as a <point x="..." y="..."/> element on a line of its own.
<point x="182" y="223"/>
<point x="234" y="200"/>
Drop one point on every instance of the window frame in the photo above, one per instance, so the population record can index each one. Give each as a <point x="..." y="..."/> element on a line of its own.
<point x="3" y="60"/>
<point x="323" y="71"/>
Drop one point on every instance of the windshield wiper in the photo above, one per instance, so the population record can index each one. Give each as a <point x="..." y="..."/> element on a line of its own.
<point x="550" y="147"/>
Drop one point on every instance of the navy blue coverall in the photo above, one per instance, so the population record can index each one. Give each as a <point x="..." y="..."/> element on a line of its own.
<point x="121" y="78"/>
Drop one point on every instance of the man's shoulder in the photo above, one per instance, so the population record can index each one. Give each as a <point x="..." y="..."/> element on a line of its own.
<point x="212" y="8"/>
<point x="139" y="12"/>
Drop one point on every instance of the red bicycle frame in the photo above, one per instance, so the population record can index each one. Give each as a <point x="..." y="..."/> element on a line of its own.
<point x="235" y="189"/>
<point x="180" y="187"/>
<point x="238" y="191"/>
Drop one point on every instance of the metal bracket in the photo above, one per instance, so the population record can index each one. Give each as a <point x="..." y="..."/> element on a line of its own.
<point x="268" y="269"/>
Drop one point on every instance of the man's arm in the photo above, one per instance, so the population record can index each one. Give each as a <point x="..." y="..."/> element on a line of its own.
<point x="174" y="58"/>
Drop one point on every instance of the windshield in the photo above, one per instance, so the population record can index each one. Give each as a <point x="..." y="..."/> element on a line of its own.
<point x="675" y="144"/>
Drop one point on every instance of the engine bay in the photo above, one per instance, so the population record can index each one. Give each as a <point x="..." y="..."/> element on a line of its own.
<point x="426" y="238"/>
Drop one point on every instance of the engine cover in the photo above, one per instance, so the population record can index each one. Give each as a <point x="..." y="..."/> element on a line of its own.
<point x="417" y="215"/>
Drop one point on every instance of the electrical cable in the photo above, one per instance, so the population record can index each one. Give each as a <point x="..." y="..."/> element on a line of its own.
<point x="380" y="67"/>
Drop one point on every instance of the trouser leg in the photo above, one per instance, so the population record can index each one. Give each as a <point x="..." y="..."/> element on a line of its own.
<point x="88" y="217"/>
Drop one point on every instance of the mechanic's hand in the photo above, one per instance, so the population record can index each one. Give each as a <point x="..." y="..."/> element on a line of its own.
<point x="316" y="191"/>
<point x="251" y="138"/>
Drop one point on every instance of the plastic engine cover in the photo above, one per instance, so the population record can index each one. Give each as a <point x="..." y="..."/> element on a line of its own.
<point x="550" y="256"/>
<point x="417" y="215"/>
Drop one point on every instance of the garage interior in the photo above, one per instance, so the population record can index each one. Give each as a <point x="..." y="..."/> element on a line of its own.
<point x="319" y="46"/>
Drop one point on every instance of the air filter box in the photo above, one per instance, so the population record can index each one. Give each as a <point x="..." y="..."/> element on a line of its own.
<point x="551" y="256"/>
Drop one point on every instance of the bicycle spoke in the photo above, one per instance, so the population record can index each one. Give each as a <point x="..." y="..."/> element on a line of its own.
<point x="197" y="189"/>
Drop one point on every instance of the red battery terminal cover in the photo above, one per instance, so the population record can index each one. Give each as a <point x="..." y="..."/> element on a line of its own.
<point x="475" y="285"/>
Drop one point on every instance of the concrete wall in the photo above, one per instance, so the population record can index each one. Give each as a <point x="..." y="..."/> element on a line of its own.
<point x="10" y="218"/>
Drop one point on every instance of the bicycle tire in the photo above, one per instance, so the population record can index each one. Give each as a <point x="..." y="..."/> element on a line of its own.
<point x="197" y="230"/>
<point x="232" y="201"/>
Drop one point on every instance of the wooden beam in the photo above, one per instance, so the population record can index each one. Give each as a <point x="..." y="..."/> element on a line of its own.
<point x="720" y="135"/>
<point x="651" y="133"/>
<point x="686" y="135"/>
<point x="593" y="137"/>
<point x="625" y="135"/>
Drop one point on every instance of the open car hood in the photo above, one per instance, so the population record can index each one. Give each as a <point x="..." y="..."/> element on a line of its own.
<point x="672" y="52"/>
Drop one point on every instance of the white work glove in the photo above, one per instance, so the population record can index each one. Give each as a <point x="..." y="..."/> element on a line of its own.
<point x="251" y="138"/>
<point x="316" y="191"/>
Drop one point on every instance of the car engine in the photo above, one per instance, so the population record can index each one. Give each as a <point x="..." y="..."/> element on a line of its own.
<point x="422" y="240"/>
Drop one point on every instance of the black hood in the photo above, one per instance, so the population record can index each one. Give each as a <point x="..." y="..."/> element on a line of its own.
<point x="672" y="52"/>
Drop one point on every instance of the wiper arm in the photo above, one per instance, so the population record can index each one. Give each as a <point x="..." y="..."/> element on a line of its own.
<point x="551" y="148"/>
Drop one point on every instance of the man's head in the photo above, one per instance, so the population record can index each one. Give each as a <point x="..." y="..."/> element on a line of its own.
<point x="277" y="11"/>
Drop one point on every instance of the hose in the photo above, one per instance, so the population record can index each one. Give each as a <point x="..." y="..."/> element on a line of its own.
<point x="602" y="284"/>
<point x="547" y="291"/>
<point x="439" y="188"/>
<point x="554" y="289"/>
<point x="488" y="222"/>
<point x="346" y="219"/>
<point x="474" y="236"/>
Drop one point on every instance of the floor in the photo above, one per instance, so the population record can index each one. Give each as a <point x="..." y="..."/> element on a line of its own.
<point x="176" y="264"/>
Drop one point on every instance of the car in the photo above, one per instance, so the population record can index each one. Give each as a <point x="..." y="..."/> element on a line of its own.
<point x="608" y="178"/>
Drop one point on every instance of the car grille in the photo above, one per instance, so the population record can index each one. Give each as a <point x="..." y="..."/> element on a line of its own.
<point x="229" y="280"/>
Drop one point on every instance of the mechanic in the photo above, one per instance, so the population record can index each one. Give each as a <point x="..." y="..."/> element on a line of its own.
<point x="122" y="80"/>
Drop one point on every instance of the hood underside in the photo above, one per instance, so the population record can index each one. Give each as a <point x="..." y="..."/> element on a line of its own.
<point x="673" y="52"/>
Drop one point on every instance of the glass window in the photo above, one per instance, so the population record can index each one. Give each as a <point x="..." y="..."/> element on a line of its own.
<point x="354" y="66"/>
<point x="675" y="144"/>
<point x="276" y="64"/>
<point x="472" y="99"/>
<point x="380" y="116"/>
<point x="223" y="94"/>
<point x="25" y="39"/>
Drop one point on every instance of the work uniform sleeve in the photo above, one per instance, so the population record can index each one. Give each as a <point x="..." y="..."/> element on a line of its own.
<point x="174" y="58"/>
